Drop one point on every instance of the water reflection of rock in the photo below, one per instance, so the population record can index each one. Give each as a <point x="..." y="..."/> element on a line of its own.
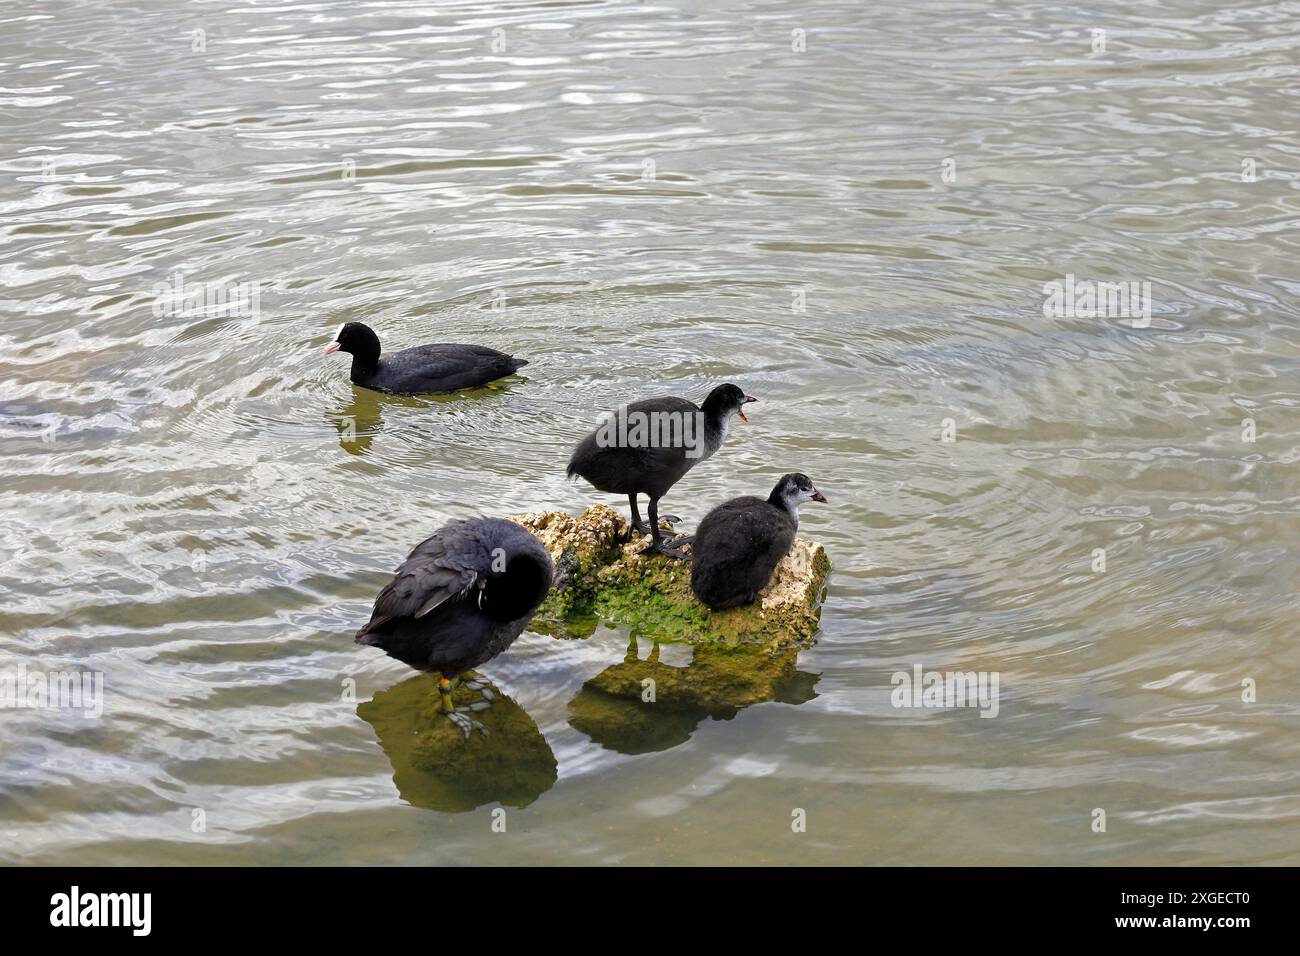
<point x="641" y="706"/>
<point x="436" y="768"/>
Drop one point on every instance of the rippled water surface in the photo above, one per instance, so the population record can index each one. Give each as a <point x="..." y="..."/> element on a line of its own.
<point x="849" y="209"/>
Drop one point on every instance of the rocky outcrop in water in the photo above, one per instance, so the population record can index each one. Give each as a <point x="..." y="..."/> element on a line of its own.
<point x="602" y="576"/>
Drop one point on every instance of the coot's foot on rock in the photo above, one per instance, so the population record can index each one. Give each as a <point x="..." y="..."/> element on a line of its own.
<point x="641" y="527"/>
<point x="645" y="527"/>
<point x="659" y="546"/>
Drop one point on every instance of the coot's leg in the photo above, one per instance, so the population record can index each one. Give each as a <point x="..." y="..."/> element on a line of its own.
<point x="659" y="546"/>
<point x="637" y="523"/>
<point x="444" y="691"/>
<point x="640" y="525"/>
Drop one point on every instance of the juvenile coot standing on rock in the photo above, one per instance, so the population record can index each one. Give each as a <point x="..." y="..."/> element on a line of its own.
<point x="740" y="542"/>
<point x="628" y="455"/>
<point x="460" y="599"/>
<point x="421" y="370"/>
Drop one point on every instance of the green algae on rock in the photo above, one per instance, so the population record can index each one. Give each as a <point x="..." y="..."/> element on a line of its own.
<point x="579" y="547"/>
<point x="600" y="575"/>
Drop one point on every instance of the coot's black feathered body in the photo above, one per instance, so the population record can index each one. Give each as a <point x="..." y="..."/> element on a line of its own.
<point x="740" y="542"/>
<point x="641" y="469"/>
<point x="461" y="597"/>
<point x="425" y="369"/>
<point x="649" y="467"/>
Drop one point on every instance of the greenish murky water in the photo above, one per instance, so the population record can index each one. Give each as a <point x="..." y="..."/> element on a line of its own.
<point x="850" y="210"/>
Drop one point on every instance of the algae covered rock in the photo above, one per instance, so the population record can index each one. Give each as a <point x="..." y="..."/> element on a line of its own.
<point x="579" y="547"/>
<point x="601" y="575"/>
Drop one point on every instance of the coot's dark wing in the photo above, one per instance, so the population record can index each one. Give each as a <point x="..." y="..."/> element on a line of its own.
<point x="736" y="532"/>
<point x="737" y="547"/>
<point x="669" y="403"/>
<point x="643" y="467"/>
<point x="442" y="568"/>
<point x="442" y="367"/>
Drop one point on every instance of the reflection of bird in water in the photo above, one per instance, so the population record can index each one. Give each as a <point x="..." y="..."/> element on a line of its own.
<point x="358" y="422"/>
<point x="642" y="706"/>
<point x="436" y="768"/>
<point x="460" y="599"/>
<point x="362" y="417"/>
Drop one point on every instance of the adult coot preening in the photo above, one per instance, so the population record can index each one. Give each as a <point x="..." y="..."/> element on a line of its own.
<point x="460" y="599"/>
<point x="740" y="542"/>
<point x="420" y="370"/>
<point x="646" y="447"/>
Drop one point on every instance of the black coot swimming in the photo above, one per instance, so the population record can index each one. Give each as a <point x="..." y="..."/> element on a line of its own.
<point x="646" y="447"/>
<point x="460" y="599"/>
<point x="740" y="542"/>
<point x="421" y="370"/>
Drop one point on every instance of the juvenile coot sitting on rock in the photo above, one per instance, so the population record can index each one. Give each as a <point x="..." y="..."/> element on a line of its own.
<point x="421" y="370"/>
<point x="460" y="599"/>
<point x="740" y="542"/>
<point x="647" y="446"/>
